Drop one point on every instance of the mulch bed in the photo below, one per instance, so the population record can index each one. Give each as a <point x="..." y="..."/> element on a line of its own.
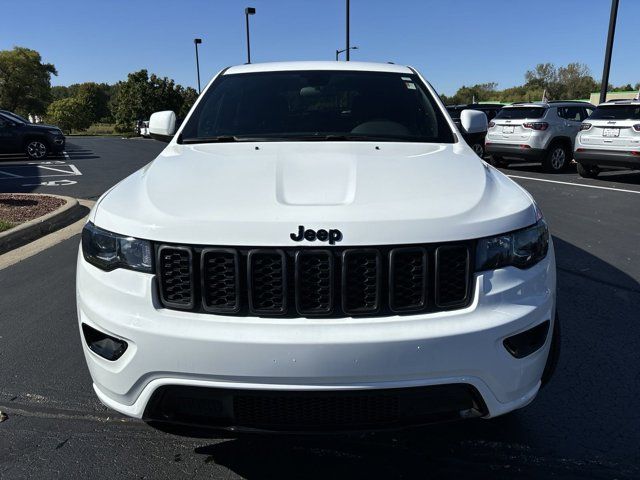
<point x="16" y="208"/>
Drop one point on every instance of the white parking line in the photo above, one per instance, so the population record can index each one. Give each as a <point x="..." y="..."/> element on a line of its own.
<point x="73" y="168"/>
<point x="65" y="154"/>
<point x="43" y="171"/>
<point x="575" y="184"/>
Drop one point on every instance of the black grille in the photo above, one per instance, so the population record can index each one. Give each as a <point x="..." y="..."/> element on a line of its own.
<point x="408" y="279"/>
<point x="220" y="280"/>
<point x="452" y="268"/>
<point x="175" y="268"/>
<point x="293" y="411"/>
<point x="312" y="410"/>
<point x="267" y="274"/>
<point x="314" y="281"/>
<point x="311" y="282"/>
<point x="361" y="281"/>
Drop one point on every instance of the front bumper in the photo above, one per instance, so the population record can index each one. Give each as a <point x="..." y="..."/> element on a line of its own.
<point x="57" y="143"/>
<point x="172" y="348"/>
<point x="607" y="158"/>
<point x="514" y="151"/>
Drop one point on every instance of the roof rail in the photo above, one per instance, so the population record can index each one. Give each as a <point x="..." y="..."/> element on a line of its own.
<point x="622" y="100"/>
<point x="530" y="103"/>
<point x="567" y="101"/>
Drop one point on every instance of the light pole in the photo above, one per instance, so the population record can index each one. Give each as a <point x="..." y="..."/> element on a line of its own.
<point x="196" y="42"/>
<point x="607" y="56"/>
<point x="248" y="11"/>
<point x="338" y="52"/>
<point x="347" y="48"/>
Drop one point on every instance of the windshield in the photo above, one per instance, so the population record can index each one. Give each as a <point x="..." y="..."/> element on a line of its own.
<point x="317" y="105"/>
<point x="16" y="117"/>
<point x="519" y="113"/>
<point x="616" y="112"/>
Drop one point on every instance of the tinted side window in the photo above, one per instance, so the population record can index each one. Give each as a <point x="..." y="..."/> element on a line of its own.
<point x="575" y="114"/>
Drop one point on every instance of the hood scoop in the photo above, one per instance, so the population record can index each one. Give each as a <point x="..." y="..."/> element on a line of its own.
<point x="316" y="180"/>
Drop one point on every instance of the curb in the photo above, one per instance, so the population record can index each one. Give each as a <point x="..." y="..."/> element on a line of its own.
<point x="26" y="232"/>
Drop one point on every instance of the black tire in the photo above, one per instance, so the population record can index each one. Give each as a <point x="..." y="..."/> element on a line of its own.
<point x="498" y="162"/>
<point x="557" y="158"/>
<point x="587" y="171"/>
<point x="479" y="149"/>
<point x="36" y="149"/>
<point x="554" y="354"/>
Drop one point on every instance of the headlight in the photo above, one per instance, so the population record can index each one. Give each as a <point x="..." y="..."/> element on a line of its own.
<point x="522" y="248"/>
<point x="109" y="251"/>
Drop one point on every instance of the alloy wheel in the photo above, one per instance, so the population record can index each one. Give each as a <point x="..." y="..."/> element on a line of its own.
<point x="36" y="149"/>
<point x="558" y="158"/>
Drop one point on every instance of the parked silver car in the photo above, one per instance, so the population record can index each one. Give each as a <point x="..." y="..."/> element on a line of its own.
<point x="536" y="132"/>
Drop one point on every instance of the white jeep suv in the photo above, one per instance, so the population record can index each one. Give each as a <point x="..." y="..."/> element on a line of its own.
<point x="316" y="249"/>
<point x="536" y="132"/>
<point x="609" y="138"/>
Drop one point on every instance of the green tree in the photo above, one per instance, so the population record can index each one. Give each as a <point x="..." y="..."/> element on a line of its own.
<point x="563" y="83"/>
<point x="544" y="77"/>
<point x="479" y="93"/>
<point x="142" y="94"/>
<point x="59" y="91"/>
<point x="69" y="114"/>
<point x="626" y="87"/>
<point x="189" y="97"/>
<point x="575" y="81"/>
<point x="25" y="81"/>
<point x="96" y="97"/>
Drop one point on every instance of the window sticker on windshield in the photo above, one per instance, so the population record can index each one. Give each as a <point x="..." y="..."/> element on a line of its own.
<point x="406" y="79"/>
<point x="410" y="85"/>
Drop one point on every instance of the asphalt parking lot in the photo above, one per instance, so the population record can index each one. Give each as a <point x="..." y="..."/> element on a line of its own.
<point x="585" y="424"/>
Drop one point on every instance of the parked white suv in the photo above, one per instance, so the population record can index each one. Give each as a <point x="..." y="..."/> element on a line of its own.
<point x="609" y="138"/>
<point x="316" y="249"/>
<point x="536" y="132"/>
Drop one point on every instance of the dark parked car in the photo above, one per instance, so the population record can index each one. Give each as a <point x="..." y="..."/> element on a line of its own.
<point x="475" y="140"/>
<point x="17" y="134"/>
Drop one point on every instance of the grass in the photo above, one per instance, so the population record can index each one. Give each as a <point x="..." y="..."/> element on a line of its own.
<point x="4" y="225"/>
<point x="99" y="129"/>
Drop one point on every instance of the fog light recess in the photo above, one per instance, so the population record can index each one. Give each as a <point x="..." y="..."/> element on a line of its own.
<point x="102" y="344"/>
<point x="525" y="343"/>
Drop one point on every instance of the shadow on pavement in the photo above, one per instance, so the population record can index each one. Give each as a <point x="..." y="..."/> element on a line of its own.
<point x="535" y="168"/>
<point x="18" y="174"/>
<point x="631" y="177"/>
<point x="77" y="152"/>
<point x="582" y="425"/>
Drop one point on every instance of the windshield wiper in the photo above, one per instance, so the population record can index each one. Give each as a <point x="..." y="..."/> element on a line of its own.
<point x="345" y="138"/>
<point x="217" y="139"/>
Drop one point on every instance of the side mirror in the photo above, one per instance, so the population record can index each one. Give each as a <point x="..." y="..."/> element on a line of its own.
<point x="162" y="125"/>
<point x="473" y="121"/>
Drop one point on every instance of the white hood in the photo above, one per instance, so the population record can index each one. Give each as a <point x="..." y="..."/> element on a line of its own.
<point x="256" y="194"/>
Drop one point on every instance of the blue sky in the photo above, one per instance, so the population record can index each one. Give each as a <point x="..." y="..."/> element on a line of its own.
<point x="452" y="42"/>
